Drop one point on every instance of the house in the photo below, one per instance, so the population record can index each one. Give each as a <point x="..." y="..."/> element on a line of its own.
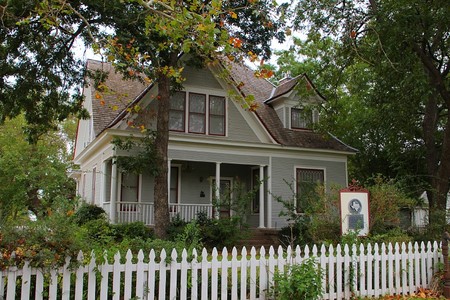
<point x="213" y="142"/>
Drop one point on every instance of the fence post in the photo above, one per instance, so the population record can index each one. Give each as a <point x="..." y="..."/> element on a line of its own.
<point x="445" y="239"/>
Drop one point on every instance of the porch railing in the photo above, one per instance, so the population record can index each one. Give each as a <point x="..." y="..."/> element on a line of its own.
<point x="128" y="212"/>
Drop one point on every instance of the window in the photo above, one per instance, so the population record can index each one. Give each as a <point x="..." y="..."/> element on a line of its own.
<point x="204" y="114"/>
<point x="307" y="183"/>
<point x="217" y="115"/>
<point x="301" y="118"/>
<point x="177" y="108"/>
<point x="129" y="191"/>
<point x="197" y="113"/>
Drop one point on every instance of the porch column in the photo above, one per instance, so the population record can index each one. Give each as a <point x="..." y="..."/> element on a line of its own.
<point x="103" y="180"/>
<point x="217" y="188"/>
<point x="261" y="196"/>
<point x="169" y="163"/>
<point x="113" y="201"/>
<point x="269" y="193"/>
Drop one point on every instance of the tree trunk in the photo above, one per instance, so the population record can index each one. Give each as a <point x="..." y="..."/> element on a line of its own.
<point x="161" y="202"/>
<point x="438" y="165"/>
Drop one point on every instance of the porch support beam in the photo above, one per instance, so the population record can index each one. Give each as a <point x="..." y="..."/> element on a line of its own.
<point x="261" y="196"/>
<point x="113" y="201"/>
<point x="169" y="163"/>
<point x="217" y="190"/>
<point x="269" y="193"/>
<point x="104" y="178"/>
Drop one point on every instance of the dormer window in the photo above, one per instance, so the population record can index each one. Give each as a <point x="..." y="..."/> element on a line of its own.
<point x="303" y="118"/>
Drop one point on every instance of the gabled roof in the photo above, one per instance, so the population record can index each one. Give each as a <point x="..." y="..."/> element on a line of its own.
<point x="112" y="103"/>
<point x="104" y="117"/>
<point x="265" y="112"/>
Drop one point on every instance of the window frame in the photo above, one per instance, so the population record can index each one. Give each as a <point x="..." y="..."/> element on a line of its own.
<point x="183" y="112"/>
<point x="301" y="116"/>
<point x="189" y="113"/>
<point x="207" y="116"/>
<point x="297" y="169"/>
<point x="215" y="115"/>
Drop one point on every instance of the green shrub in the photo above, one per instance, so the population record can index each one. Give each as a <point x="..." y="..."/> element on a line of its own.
<point x="221" y="233"/>
<point x="88" y="212"/>
<point x="302" y="281"/>
<point x="134" y="230"/>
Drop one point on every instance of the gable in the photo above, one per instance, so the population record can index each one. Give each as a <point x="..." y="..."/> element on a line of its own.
<point x="241" y="125"/>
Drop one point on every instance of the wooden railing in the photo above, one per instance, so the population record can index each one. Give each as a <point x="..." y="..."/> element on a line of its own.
<point x="128" y="212"/>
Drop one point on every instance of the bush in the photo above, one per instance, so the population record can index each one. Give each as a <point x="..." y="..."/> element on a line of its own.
<point x="134" y="230"/>
<point x="88" y="212"/>
<point x="302" y="281"/>
<point x="221" y="233"/>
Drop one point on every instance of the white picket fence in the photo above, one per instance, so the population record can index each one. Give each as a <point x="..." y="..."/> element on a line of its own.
<point x="361" y="271"/>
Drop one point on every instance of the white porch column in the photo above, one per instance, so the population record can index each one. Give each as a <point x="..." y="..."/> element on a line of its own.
<point x="169" y="163"/>
<point x="217" y="188"/>
<point x="103" y="180"/>
<point x="269" y="193"/>
<point x="261" y="196"/>
<point x="113" y="200"/>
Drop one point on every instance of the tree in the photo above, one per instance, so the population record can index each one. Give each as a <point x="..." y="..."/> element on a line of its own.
<point x="398" y="52"/>
<point x="33" y="176"/>
<point x="148" y="39"/>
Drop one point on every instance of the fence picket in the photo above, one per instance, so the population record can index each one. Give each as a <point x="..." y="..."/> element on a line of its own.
<point x="194" y="281"/>
<point x="243" y="274"/>
<point x="339" y="262"/>
<point x="346" y="270"/>
<point x="79" y="274"/>
<point x="214" y="274"/>
<point x="162" y="267"/>
<point x="140" y="275"/>
<point x="26" y="281"/>
<point x="204" y="272"/>
<point x="183" y="275"/>
<point x="173" y="275"/>
<point x="224" y="274"/>
<point x="253" y="278"/>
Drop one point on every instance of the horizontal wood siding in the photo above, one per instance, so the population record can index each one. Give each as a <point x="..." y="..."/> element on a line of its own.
<point x="200" y="77"/>
<point x="238" y="128"/>
<point x="283" y="170"/>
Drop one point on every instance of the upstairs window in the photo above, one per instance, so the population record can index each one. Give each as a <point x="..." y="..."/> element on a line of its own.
<point x="301" y="118"/>
<point x="198" y="113"/>
<point x="216" y="115"/>
<point x="177" y="111"/>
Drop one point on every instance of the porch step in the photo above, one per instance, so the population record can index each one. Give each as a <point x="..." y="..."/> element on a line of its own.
<point x="258" y="237"/>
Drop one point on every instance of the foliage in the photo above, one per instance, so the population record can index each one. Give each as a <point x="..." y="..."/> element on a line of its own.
<point x="44" y="243"/>
<point x="143" y="159"/>
<point x="386" y="64"/>
<point x="319" y="221"/>
<point x="33" y="176"/>
<point x="298" y="281"/>
<point x="385" y="201"/>
<point x="88" y="212"/>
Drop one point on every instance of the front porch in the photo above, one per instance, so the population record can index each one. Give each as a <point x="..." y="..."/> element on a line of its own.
<point x="193" y="187"/>
<point x="128" y="212"/>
